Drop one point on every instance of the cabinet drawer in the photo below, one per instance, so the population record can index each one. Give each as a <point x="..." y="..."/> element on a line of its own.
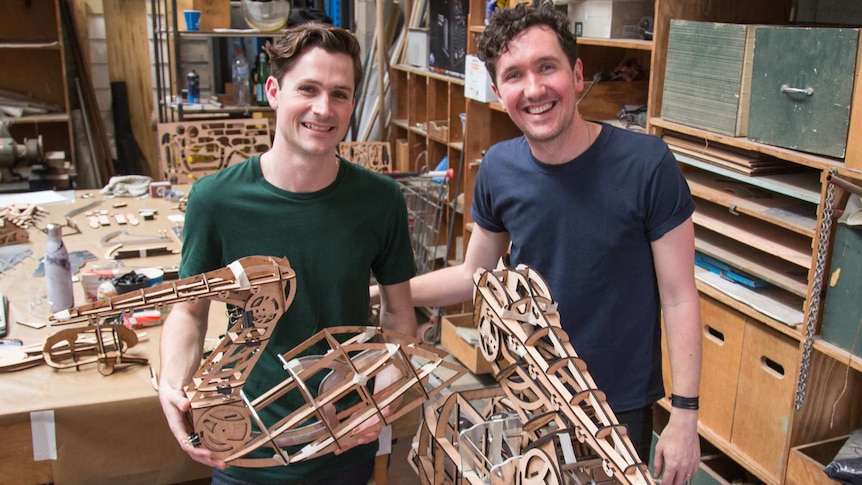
<point x="801" y="88"/>
<point x="723" y="330"/>
<point x="764" y="400"/>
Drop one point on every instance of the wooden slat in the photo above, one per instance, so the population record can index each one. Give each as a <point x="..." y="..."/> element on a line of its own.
<point x="782" y="211"/>
<point x="802" y="186"/>
<point x="800" y="158"/>
<point x="765" y="266"/>
<point x="769" y="239"/>
<point x="126" y="38"/>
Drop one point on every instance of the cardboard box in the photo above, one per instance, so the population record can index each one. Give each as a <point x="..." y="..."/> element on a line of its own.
<point x="467" y="353"/>
<point x="607" y="19"/>
<point x="417" y="47"/>
<point x="477" y="81"/>
<point x="448" y="36"/>
<point x="215" y="14"/>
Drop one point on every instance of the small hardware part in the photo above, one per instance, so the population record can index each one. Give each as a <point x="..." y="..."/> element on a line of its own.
<point x="121" y="219"/>
<point x="4" y="315"/>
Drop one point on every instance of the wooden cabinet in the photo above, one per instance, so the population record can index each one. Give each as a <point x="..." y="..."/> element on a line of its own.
<point x="763" y="211"/>
<point x="34" y="61"/>
<point x="777" y="228"/>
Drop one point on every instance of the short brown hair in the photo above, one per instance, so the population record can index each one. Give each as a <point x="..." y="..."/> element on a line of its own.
<point x="287" y="50"/>
<point x="506" y="23"/>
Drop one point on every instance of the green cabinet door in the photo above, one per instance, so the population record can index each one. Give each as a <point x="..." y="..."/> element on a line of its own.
<point x="801" y="88"/>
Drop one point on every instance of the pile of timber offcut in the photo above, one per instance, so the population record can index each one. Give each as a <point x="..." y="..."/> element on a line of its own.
<point x="728" y="157"/>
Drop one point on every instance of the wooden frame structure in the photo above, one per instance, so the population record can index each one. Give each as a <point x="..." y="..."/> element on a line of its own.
<point x="258" y="290"/>
<point x="569" y="434"/>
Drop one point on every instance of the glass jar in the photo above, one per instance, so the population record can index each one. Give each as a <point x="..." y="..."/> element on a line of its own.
<point x="266" y="15"/>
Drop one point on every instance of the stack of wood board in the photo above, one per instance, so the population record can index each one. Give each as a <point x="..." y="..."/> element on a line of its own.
<point x="728" y="157"/>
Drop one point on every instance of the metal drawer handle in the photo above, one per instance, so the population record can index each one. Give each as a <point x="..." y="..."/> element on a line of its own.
<point x="785" y="88"/>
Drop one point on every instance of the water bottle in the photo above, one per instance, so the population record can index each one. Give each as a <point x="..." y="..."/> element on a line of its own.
<point x="58" y="271"/>
<point x="193" y="83"/>
<point x="241" y="89"/>
<point x="260" y="80"/>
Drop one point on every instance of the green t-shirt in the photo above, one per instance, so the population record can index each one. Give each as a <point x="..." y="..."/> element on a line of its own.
<point x="334" y="239"/>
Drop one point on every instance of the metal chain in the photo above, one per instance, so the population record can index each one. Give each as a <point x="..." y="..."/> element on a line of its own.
<point x="816" y="290"/>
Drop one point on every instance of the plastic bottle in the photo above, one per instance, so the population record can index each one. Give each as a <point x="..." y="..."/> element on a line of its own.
<point x="260" y="79"/>
<point x="58" y="271"/>
<point x="193" y="84"/>
<point x="241" y="89"/>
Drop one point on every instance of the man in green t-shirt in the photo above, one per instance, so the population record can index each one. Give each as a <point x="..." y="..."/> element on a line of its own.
<point x="336" y="223"/>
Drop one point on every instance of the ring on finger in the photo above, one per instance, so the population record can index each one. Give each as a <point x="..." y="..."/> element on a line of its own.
<point x="192" y="440"/>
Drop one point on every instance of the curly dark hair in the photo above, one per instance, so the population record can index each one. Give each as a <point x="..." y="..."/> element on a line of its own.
<point x="506" y="23"/>
<point x="286" y="51"/>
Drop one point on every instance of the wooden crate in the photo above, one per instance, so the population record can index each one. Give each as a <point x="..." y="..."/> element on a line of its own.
<point x="708" y="76"/>
<point x="466" y="353"/>
<point x="801" y="97"/>
<point x="723" y="330"/>
<point x="805" y="463"/>
<point x="764" y="403"/>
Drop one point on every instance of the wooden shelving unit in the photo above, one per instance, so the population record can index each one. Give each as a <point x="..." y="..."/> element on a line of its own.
<point x="178" y="58"/>
<point x="752" y="366"/>
<point x="34" y="63"/>
<point x="769" y="227"/>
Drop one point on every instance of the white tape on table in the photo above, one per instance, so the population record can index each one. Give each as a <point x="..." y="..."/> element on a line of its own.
<point x="44" y="435"/>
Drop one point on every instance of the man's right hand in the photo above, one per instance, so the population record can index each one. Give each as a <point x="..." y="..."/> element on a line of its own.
<point x="176" y="407"/>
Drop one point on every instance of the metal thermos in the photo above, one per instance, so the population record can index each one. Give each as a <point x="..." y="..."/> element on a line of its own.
<point x="58" y="271"/>
<point x="193" y="85"/>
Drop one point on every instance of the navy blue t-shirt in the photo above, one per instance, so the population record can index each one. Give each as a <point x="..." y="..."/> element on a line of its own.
<point x="586" y="227"/>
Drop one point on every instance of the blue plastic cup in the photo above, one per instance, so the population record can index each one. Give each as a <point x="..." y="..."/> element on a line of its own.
<point x="193" y="20"/>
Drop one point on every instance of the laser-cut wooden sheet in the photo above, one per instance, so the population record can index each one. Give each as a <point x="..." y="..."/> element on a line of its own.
<point x="188" y="150"/>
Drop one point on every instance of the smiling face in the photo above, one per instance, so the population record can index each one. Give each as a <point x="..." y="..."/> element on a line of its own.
<point x="538" y="87"/>
<point x="313" y="102"/>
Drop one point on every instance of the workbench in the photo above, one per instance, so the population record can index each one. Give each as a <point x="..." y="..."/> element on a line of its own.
<point x="78" y="426"/>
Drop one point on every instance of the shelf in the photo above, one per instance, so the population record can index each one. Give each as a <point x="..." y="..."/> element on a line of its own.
<point x="790" y="247"/>
<point x="838" y="353"/>
<point x="809" y="160"/>
<point x="417" y="130"/>
<point x="798" y="186"/>
<point x="739" y="197"/>
<point x="457" y="145"/>
<point x="225" y="33"/>
<point x="639" y="44"/>
<point x="401" y="124"/>
<point x="765" y="266"/>
<point x="428" y="73"/>
<point x="36" y="119"/>
<point x="30" y="45"/>
<point x="227" y="110"/>
<point x="718" y="289"/>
